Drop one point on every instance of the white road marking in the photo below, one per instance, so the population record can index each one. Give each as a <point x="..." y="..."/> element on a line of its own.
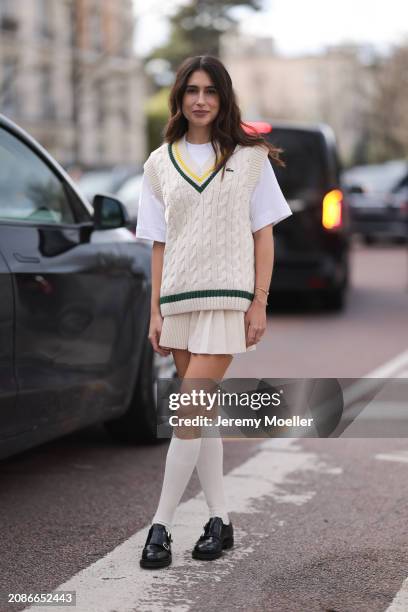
<point x="380" y="409"/>
<point x="395" y="368"/>
<point x="375" y="384"/>
<point x="399" y="456"/>
<point x="400" y="601"/>
<point x="389" y="369"/>
<point x="117" y="583"/>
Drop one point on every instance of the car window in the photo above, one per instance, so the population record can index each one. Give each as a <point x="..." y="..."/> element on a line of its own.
<point x="303" y="154"/>
<point x="29" y="190"/>
<point x="403" y="184"/>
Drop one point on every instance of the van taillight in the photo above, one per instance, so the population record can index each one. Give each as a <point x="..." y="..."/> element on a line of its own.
<point x="332" y="204"/>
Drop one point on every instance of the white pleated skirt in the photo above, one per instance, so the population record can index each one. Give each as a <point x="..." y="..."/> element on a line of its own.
<point x="206" y="331"/>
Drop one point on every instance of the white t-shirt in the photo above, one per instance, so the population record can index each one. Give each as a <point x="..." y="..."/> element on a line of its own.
<point x="268" y="205"/>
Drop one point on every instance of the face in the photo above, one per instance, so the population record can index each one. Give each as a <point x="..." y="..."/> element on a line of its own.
<point x="201" y="100"/>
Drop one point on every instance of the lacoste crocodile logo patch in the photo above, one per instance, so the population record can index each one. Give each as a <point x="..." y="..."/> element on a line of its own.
<point x="229" y="170"/>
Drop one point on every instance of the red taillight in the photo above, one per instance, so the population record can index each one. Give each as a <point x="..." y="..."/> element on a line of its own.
<point x="257" y="127"/>
<point x="332" y="209"/>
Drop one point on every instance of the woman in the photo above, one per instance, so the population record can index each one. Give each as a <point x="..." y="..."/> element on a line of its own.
<point x="209" y="200"/>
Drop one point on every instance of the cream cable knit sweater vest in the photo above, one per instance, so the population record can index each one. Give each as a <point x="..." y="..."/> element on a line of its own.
<point x="209" y="254"/>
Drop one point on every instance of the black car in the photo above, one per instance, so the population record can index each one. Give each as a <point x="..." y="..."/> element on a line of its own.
<point x="312" y="245"/>
<point x="75" y="305"/>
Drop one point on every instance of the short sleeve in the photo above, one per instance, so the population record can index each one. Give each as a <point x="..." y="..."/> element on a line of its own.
<point x="151" y="223"/>
<point x="268" y="204"/>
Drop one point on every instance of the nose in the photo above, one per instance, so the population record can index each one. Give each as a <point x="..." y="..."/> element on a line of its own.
<point x="201" y="97"/>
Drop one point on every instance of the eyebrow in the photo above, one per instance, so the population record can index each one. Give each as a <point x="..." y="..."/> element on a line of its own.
<point x="207" y="86"/>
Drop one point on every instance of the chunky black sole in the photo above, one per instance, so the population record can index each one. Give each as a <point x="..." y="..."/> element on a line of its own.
<point x="229" y="543"/>
<point x="154" y="564"/>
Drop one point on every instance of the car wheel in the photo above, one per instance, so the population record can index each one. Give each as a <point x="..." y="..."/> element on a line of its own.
<point x="368" y="239"/>
<point x="334" y="299"/>
<point x="139" y="422"/>
<point x="400" y="240"/>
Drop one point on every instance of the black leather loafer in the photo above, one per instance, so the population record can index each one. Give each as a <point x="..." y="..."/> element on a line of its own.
<point x="157" y="550"/>
<point x="216" y="537"/>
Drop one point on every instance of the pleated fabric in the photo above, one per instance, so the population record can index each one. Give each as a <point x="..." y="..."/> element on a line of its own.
<point x="206" y="331"/>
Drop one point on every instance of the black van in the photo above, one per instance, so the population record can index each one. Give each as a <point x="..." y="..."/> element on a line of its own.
<point x="312" y="245"/>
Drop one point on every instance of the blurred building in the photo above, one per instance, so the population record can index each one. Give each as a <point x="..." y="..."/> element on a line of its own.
<point x="334" y="87"/>
<point x="69" y="76"/>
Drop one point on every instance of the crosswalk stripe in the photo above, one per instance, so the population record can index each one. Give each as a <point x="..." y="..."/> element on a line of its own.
<point x="399" y="456"/>
<point x="400" y="601"/>
<point x="395" y="368"/>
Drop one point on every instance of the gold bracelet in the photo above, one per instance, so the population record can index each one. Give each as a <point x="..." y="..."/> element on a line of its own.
<point x="260" y="288"/>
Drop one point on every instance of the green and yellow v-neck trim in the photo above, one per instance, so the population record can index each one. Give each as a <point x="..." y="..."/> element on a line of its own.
<point x="183" y="165"/>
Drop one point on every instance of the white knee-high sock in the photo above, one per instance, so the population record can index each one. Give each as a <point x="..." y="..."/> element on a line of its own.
<point x="181" y="459"/>
<point x="210" y="472"/>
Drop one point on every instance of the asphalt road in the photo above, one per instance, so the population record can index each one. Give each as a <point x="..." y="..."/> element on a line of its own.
<point x="321" y="524"/>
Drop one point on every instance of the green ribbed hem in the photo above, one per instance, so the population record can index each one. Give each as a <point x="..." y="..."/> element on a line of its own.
<point x="188" y="295"/>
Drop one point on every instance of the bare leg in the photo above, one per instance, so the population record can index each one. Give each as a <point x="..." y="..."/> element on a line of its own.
<point x="200" y="365"/>
<point x="184" y="448"/>
<point x="181" y="359"/>
<point x="202" y="369"/>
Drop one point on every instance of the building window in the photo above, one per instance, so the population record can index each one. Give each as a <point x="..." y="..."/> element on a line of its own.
<point x="123" y="97"/>
<point x="48" y="110"/>
<point x="127" y="34"/>
<point x="99" y="102"/>
<point x="9" y="99"/>
<point x="95" y="29"/>
<point x="44" y="18"/>
<point x="99" y="106"/>
<point x="8" y="17"/>
<point x="70" y="24"/>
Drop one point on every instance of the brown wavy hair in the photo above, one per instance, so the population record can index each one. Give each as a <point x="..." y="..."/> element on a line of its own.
<point x="227" y="128"/>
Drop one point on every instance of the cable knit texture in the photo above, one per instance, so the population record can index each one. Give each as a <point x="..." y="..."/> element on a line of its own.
<point x="209" y="258"/>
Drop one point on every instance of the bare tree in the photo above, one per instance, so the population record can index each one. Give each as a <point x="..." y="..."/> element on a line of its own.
<point x="388" y="116"/>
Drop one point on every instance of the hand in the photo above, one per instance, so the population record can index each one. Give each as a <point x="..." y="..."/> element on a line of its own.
<point x="155" y="327"/>
<point x="255" y="322"/>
